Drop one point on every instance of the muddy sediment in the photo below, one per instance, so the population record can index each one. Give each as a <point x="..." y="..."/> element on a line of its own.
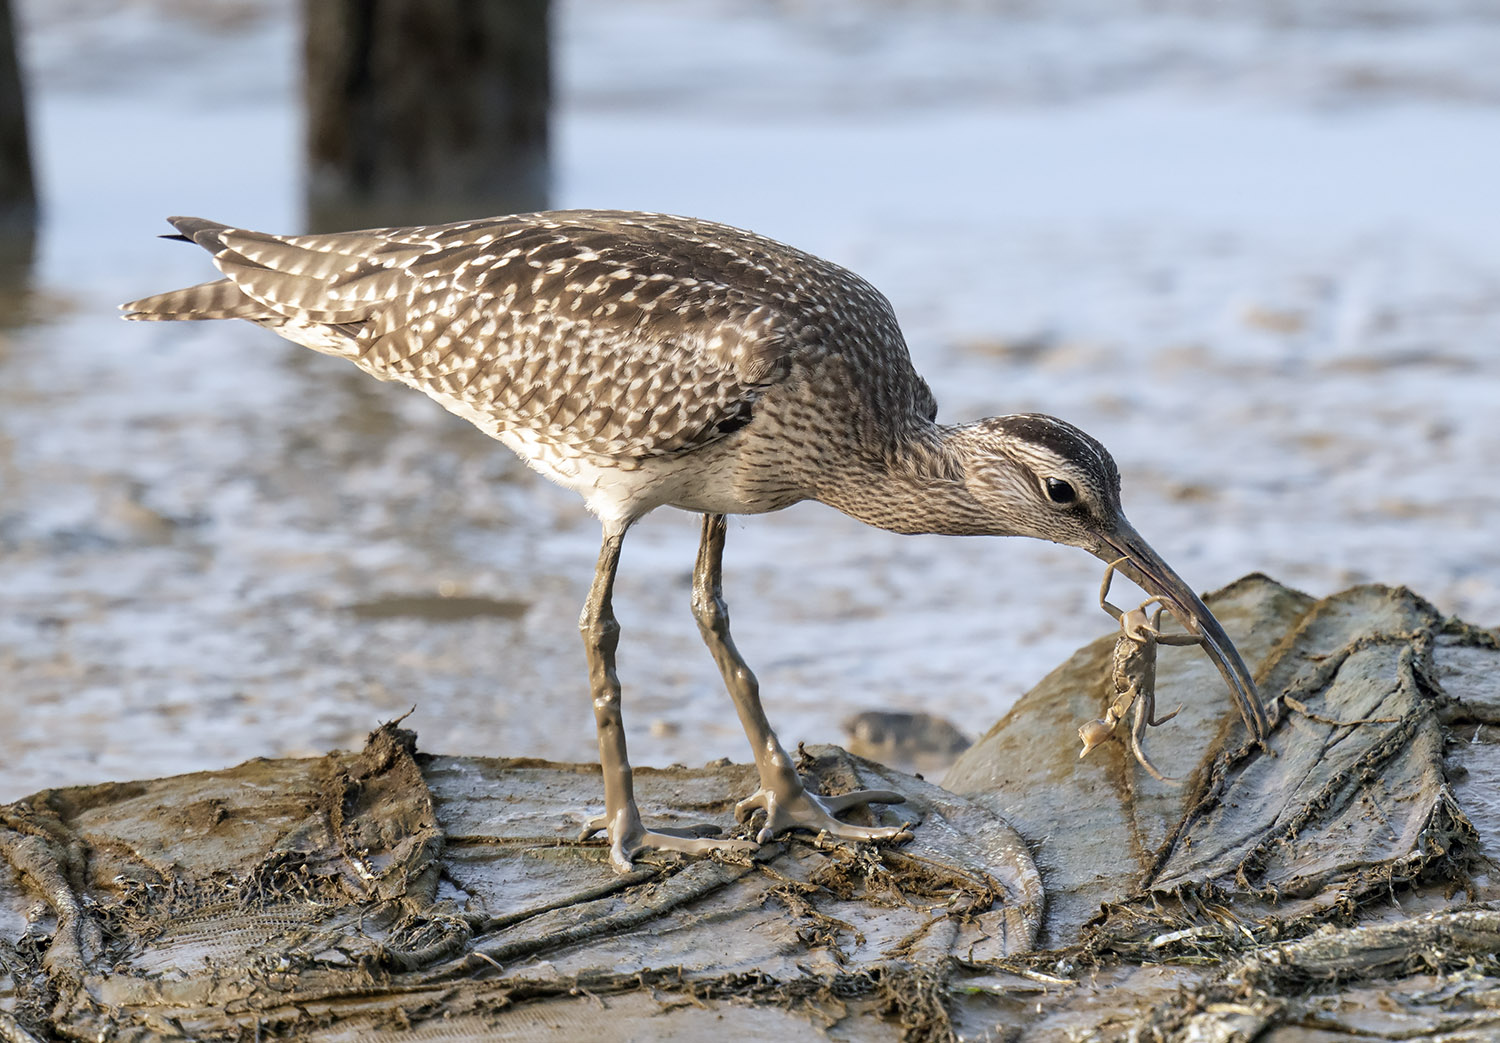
<point x="1338" y="881"/>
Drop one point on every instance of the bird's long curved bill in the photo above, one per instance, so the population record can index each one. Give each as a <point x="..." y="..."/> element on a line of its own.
<point x="1147" y="569"/>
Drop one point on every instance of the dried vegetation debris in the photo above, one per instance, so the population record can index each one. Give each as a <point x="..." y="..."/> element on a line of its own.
<point x="373" y="893"/>
<point x="1297" y="883"/>
<point x="1338" y="881"/>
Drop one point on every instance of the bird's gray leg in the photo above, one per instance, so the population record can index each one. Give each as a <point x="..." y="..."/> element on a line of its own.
<point x="785" y="800"/>
<point x="622" y="819"/>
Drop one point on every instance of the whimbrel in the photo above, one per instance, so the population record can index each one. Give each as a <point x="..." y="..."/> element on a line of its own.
<point x="643" y="361"/>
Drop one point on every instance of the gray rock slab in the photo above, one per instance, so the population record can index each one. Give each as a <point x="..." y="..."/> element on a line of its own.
<point x="388" y="892"/>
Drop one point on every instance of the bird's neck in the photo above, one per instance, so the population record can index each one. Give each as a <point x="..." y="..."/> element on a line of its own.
<point x="915" y="485"/>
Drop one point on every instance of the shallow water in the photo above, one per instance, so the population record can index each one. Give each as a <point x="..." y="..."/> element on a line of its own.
<point x="1259" y="259"/>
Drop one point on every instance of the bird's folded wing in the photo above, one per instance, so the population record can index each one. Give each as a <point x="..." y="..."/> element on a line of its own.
<point x="584" y="335"/>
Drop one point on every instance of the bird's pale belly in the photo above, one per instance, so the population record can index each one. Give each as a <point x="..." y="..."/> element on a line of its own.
<point x="716" y="479"/>
<point x="725" y="477"/>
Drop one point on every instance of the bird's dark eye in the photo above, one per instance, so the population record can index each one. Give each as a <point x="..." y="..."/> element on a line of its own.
<point x="1060" y="491"/>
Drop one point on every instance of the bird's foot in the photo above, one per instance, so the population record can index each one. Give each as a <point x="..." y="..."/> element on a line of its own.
<point x="790" y="808"/>
<point x="632" y="838"/>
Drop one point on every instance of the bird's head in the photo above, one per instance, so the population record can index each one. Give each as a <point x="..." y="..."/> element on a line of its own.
<point x="1041" y="477"/>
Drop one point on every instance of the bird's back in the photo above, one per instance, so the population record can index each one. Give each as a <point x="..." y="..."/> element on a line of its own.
<point x="612" y="335"/>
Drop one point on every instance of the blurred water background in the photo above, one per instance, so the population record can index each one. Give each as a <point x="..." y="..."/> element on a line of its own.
<point x="1252" y="246"/>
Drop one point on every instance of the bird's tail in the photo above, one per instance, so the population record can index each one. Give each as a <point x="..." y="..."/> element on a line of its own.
<point x="220" y="299"/>
<point x="210" y="300"/>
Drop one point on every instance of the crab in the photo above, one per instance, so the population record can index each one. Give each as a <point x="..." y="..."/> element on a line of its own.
<point x="1133" y="674"/>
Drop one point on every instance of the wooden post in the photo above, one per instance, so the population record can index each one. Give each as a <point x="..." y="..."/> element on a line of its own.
<point x="18" y="209"/>
<point x="425" y="110"/>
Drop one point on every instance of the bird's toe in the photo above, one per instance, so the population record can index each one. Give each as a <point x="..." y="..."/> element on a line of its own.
<point x="814" y="813"/>
<point x="629" y="838"/>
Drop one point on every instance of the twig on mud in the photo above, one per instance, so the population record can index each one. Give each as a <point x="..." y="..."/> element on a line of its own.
<point x="487" y="958"/>
<point x="579" y="990"/>
<point x="1301" y="707"/>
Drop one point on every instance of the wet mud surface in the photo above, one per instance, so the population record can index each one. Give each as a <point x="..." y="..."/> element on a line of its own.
<point x="1336" y="884"/>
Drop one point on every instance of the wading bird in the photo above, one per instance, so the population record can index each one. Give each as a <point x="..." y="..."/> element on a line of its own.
<point x="642" y="361"/>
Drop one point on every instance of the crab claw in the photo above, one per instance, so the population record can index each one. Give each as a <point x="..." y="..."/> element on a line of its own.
<point x="1093" y="733"/>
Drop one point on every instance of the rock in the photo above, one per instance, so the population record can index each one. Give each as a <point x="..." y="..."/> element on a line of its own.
<point x="920" y="743"/>
<point x="357" y="896"/>
<point x="1362" y="831"/>
<point x="1335" y="882"/>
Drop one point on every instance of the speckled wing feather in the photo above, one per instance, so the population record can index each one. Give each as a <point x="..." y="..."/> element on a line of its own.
<point x="614" y="334"/>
